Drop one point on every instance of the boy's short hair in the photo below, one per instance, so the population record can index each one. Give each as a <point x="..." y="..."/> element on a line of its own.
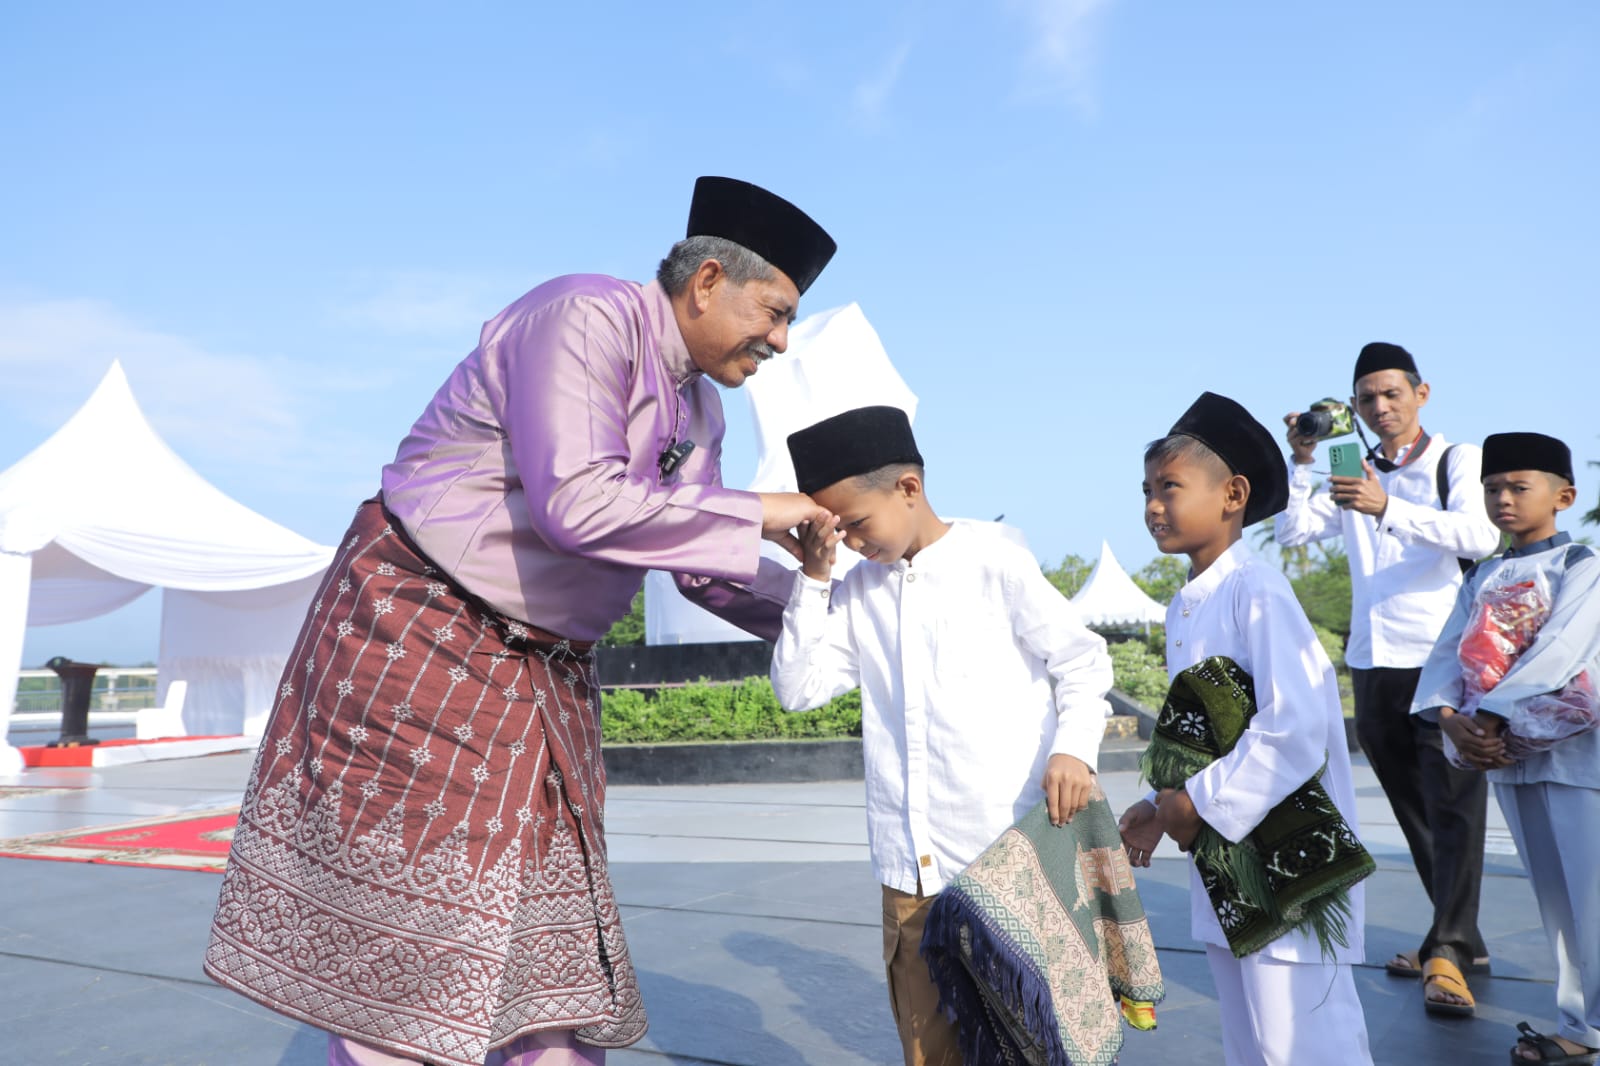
<point x="886" y="477"/>
<point x="857" y="442"/>
<point x="1184" y="447"/>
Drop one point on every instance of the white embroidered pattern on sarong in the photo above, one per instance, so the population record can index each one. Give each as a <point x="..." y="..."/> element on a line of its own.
<point x="419" y="860"/>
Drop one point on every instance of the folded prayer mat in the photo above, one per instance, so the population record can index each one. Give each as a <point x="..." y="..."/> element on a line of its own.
<point x="1294" y="870"/>
<point x="1041" y="946"/>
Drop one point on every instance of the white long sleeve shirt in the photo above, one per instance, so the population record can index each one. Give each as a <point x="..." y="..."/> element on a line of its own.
<point x="1243" y="608"/>
<point x="1404" y="570"/>
<point x="973" y="671"/>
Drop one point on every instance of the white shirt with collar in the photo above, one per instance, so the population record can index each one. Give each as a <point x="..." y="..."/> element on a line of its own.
<point x="1404" y="569"/>
<point x="1243" y="608"/>
<point x="973" y="671"/>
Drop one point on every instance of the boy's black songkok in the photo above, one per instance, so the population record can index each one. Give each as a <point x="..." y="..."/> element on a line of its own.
<point x="1504" y="452"/>
<point x="1381" y="356"/>
<point x="768" y="225"/>
<point x="849" y="445"/>
<point x="1245" y="445"/>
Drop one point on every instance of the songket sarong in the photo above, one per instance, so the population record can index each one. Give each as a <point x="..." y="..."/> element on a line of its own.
<point x="419" y="862"/>
<point x="1294" y="870"/>
<point x="1034" y="945"/>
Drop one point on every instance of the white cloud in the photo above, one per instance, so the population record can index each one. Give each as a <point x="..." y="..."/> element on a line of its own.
<point x="871" y="97"/>
<point x="55" y="351"/>
<point x="1063" y="50"/>
<point x="427" y="304"/>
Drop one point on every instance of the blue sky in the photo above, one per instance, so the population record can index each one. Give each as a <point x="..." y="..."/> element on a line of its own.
<point x="1066" y="218"/>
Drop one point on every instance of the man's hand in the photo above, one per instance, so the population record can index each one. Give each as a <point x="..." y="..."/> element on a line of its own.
<point x="1179" y="820"/>
<point x="1476" y="737"/>
<point x="1068" y="783"/>
<point x="1141" y="832"/>
<point x="1301" y="448"/>
<point x="781" y="512"/>
<point x="819" y="541"/>
<point x="1362" y="494"/>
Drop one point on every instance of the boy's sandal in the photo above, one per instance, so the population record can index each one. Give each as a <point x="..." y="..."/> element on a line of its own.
<point x="1408" y="964"/>
<point x="1548" y="1050"/>
<point x="1443" y="975"/>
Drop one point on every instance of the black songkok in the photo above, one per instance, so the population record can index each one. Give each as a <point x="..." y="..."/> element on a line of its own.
<point x="849" y="445"/>
<point x="1245" y="445"/>
<point x="768" y="225"/>
<point x="1380" y="356"/>
<point x="1504" y="452"/>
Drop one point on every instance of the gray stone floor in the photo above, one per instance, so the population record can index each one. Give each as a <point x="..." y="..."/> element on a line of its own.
<point x="750" y="909"/>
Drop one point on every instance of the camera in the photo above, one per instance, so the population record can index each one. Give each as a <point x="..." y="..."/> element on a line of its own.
<point x="1326" y="418"/>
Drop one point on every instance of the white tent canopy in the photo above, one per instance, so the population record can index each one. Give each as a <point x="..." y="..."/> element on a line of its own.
<point x="1110" y="598"/>
<point x="835" y="362"/>
<point x="103" y="511"/>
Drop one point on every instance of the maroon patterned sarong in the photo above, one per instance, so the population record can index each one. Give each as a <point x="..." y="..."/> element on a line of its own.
<point x="419" y="862"/>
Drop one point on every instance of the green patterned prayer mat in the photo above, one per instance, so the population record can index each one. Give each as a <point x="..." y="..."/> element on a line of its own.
<point x="1294" y="870"/>
<point x="1033" y="944"/>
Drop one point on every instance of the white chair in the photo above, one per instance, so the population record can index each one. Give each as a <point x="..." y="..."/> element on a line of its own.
<point x="152" y="723"/>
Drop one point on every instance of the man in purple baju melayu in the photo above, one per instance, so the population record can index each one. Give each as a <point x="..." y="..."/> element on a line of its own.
<point x="419" y="866"/>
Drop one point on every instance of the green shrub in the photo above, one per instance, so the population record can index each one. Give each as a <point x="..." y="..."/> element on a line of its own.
<point x="1139" y="672"/>
<point x="744" y="710"/>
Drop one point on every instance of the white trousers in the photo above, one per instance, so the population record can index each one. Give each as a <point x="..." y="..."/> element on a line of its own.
<point x="1277" y="1013"/>
<point x="1553" y="826"/>
<point x="553" y="1048"/>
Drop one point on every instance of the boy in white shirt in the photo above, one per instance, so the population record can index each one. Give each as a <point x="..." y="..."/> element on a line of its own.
<point x="1290" y="1001"/>
<point x="979" y="685"/>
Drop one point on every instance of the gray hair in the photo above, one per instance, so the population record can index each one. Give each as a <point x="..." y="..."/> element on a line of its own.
<point x="738" y="262"/>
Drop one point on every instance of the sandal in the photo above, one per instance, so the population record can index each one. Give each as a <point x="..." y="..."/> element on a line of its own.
<point x="1408" y="964"/>
<point x="1443" y="974"/>
<point x="1549" y="1051"/>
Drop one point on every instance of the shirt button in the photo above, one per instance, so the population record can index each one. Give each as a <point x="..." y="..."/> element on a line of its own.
<point x="911" y="577"/>
<point x="1178" y="643"/>
<point x="925" y="860"/>
<point x="1186" y="612"/>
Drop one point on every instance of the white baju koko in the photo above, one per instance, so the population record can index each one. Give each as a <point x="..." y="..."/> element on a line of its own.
<point x="1284" y="1005"/>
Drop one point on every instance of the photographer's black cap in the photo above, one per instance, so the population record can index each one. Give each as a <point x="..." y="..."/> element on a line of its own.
<point x="1504" y="452"/>
<point x="851" y="444"/>
<point x="1380" y="355"/>
<point x="768" y="225"/>
<point x="1245" y="445"/>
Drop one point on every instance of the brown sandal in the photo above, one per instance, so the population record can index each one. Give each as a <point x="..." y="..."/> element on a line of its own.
<point x="1447" y="977"/>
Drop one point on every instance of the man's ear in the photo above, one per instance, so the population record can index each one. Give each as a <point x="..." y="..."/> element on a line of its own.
<point x="1422" y="393"/>
<point x="704" y="282"/>
<point x="1236" y="494"/>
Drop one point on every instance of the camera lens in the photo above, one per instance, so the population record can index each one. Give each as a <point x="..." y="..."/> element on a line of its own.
<point x="1316" y="424"/>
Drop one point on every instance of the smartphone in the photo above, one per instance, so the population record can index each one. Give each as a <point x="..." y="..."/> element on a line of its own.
<point x="1344" y="460"/>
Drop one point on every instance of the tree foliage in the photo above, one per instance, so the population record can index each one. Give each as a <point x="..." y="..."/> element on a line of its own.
<point x="628" y="630"/>
<point x="1070" y="576"/>
<point x="1162" y="577"/>
<point x="1324" y="593"/>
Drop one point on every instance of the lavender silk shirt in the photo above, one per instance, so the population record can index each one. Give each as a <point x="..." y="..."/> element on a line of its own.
<point x="532" y="477"/>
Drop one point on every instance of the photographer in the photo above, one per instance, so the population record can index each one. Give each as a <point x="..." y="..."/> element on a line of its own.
<point x="1406" y="525"/>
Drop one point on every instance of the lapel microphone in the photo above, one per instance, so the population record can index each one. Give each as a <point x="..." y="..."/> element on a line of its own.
<point x="673" y="457"/>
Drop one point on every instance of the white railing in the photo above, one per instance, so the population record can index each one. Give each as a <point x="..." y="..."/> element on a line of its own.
<point x="116" y="688"/>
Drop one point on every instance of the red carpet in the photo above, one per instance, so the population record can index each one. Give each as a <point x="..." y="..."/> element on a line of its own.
<point x="197" y="840"/>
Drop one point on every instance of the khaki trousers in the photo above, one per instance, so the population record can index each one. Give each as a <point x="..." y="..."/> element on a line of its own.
<point x="927" y="1036"/>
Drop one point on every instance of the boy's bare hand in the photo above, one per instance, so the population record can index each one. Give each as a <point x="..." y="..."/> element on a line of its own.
<point x="1477" y="737"/>
<point x="1179" y="820"/>
<point x="1141" y="832"/>
<point x="1068" y="783"/>
<point x="819" y="542"/>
